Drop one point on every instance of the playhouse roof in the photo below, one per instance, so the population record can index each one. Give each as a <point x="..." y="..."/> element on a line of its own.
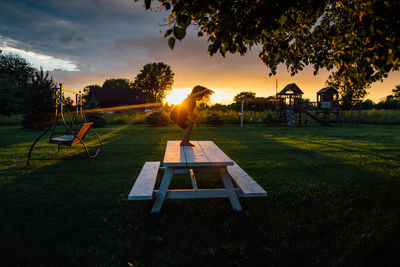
<point x="327" y="89"/>
<point x="291" y="87"/>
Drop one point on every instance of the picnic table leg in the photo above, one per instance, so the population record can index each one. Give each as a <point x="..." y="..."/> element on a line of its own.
<point x="162" y="191"/>
<point x="193" y="178"/>
<point x="226" y="179"/>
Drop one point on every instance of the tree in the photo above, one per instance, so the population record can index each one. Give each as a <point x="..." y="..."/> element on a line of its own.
<point x="396" y="93"/>
<point x="68" y="103"/>
<point x="117" y="83"/>
<point x="242" y="95"/>
<point x="356" y="39"/>
<point x="155" y="79"/>
<point x="368" y="104"/>
<point x="39" y="103"/>
<point x="9" y="100"/>
<point x="89" y="103"/>
<point x="388" y="103"/>
<point x="15" y="77"/>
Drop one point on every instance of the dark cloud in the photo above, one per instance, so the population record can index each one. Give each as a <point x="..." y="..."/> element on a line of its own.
<point x="73" y="28"/>
<point x="80" y="39"/>
<point x="110" y="37"/>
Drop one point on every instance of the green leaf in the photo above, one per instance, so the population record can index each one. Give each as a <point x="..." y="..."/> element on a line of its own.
<point x="179" y="32"/>
<point x="167" y="33"/>
<point x="184" y="21"/>
<point x="282" y="20"/>
<point x="171" y="42"/>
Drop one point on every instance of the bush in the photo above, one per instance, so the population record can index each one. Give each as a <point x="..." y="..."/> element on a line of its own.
<point x="97" y="119"/>
<point x="126" y="118"/>
<point x="270" y="120"/>
<point x="10" y="120"/>
<point x="214" y="120"/>
<point x="158" y="118"/>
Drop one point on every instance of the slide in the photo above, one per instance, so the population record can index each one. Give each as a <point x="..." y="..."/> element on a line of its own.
<point x="322" y="122"/>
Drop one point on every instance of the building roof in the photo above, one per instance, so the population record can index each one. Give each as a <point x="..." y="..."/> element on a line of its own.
<point x="327" y="89"/>
<point x="291" y="87"/>
<point x="117" y="95"/>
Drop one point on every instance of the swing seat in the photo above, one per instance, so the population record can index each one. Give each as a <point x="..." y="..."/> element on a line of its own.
<point x="70" y="140"/>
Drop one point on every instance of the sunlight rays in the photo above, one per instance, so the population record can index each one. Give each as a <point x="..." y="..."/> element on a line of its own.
<point x="124" y="108"/>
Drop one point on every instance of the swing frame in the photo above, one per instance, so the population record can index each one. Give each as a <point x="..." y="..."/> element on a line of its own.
<point x="71" y="130"/>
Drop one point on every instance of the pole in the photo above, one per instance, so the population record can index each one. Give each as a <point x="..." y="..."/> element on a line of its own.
<point x="241" y="117"/>
<point x="359" y="113"/>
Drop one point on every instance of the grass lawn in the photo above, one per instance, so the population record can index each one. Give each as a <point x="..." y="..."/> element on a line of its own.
<point x="333" y="199"/>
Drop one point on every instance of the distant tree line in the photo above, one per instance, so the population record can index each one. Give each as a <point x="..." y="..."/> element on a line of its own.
<point x="390" y="102"/>
<point x="155" y="80"/>
<point x="253" y="103"/>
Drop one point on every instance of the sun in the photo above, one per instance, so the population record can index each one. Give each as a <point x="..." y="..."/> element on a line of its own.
<point x="176" y="96"/>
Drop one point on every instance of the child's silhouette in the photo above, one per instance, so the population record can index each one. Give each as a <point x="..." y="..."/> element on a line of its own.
<point x="182" y="114"/>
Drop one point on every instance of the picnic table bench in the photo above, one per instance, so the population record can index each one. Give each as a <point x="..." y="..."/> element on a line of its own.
<point x="205" y="156"/>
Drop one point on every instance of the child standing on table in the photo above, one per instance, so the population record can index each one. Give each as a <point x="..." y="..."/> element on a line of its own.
<point x="182" y="114"/>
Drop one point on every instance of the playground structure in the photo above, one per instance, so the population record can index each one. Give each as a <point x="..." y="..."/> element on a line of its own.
<point x="72" y="134"/>
<point x="290" y="104"/>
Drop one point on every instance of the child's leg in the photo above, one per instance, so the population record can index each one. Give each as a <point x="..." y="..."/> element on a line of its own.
<point x="186" y="134"/>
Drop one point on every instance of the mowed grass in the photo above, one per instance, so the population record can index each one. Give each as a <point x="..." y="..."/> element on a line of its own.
<point x="333" y="199"/>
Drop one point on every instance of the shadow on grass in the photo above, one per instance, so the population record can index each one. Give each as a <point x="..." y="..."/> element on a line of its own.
<point x="52" y="212"/>
<point x="331" y="204"/>
<point x="11" y="136"/>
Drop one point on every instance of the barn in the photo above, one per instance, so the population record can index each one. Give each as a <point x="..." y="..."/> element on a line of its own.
<point x="114" y="97"/>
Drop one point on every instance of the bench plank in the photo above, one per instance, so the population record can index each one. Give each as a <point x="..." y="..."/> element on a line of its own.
<point x="247" y="185"/>
<point x="144" y="185"/>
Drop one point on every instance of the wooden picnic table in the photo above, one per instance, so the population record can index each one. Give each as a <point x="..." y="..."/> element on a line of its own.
<point x="205" y="156"/>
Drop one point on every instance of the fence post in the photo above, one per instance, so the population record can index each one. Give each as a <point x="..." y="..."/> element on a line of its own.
<point x="241" y="117"/>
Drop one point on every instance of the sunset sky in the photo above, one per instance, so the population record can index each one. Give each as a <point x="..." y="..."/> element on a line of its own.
<point x="84" y="42"/>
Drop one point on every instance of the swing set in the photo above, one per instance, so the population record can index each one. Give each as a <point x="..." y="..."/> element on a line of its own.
<point x="72" y="134"/>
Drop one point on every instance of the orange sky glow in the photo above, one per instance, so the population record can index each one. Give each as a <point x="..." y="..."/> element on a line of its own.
<point x="226" y="76"/>
<point x="230" y="81"/>
<point x="231" y="75"/>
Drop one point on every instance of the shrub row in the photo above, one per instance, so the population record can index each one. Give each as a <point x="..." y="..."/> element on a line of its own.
<point x="218" y="117"/>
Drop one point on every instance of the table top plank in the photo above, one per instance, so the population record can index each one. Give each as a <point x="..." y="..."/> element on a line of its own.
<point x="215" y="154"/>
<point x="174" y="154"/>
<point x="204" y="153"/>
<point x="195" y="156"/>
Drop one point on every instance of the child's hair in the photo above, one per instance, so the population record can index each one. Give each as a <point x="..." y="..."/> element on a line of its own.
<point x="200" y="91"/>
